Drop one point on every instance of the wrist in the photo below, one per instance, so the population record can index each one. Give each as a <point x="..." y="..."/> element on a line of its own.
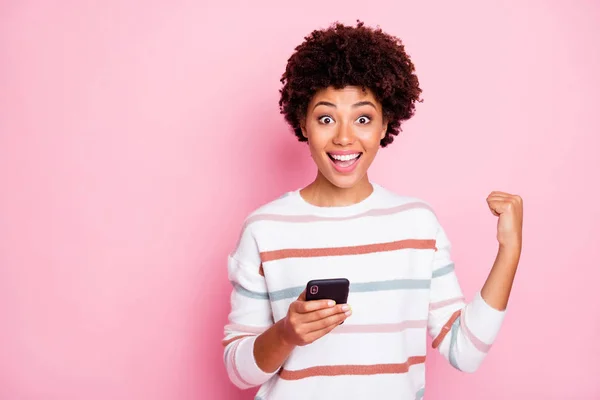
<point x="510" y="252"/>
<point x="510" y="243"/>
<point x="281" y="336"/>
<point x="513" y="247"/>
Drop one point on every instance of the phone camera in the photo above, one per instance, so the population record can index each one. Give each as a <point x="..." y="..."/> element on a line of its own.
<point x="314" y="289"/>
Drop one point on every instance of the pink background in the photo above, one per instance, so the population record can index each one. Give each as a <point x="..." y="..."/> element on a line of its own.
<point x="135" y="137"/>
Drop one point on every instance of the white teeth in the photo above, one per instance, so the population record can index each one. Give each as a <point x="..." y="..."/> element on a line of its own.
<point x="346" y="157"/>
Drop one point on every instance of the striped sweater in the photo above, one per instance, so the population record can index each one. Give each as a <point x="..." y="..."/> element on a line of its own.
<point x="403" y="287"/>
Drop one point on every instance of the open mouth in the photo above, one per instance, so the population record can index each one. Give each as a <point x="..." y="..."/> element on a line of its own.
<point x="344" y="161"/>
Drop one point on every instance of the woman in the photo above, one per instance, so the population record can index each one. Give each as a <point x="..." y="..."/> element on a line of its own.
<point x="346" y="91"/>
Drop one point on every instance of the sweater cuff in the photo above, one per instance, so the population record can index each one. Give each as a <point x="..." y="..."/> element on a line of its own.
<point x="249" y="371"/>
<point x="483" y="322"/>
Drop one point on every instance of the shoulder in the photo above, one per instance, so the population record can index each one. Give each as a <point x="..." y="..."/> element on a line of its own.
<point x="417" y="206"/>
<point x="273" y="210"/>
<point x="283" y="205"/>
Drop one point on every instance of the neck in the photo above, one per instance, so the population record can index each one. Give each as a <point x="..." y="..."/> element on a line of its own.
<point x="323" y="193"/>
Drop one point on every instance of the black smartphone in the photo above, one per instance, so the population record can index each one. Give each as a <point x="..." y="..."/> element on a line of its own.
<point x="329" y="289"/>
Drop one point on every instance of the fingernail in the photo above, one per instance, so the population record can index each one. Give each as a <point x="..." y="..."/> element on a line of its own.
<point x="348" y="313"/>
<point x="345" y="307"/>
<point x="331" y="303"/>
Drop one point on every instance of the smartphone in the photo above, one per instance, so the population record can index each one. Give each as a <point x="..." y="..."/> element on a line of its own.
<point x="329" y="289"/>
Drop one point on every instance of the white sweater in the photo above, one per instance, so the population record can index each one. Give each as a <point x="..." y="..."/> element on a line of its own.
<point x="396" y="256"/>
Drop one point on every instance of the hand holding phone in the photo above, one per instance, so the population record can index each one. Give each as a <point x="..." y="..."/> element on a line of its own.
<point x="309" y="320"/>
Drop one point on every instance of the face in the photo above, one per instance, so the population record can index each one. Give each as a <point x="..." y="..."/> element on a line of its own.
<point x="344" y="128"/>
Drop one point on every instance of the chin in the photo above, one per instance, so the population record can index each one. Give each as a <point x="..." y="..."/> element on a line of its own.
<point x="343" y="182"/>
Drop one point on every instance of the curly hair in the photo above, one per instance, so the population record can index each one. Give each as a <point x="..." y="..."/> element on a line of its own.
<point x="342" y="56"/>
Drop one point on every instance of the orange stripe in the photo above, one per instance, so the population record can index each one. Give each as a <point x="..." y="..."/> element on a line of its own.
<point x="233" y="339"/>
<point x="348" y="250"/>
<point x="445" y="329"/>
<point x="313" y="218"/>
<point x="261" y="271"/>
<point x="336" y="370"/>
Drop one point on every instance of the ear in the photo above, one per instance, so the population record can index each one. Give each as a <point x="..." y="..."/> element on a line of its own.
<point x="303" y="127"/>
<point x="384" y="129"/>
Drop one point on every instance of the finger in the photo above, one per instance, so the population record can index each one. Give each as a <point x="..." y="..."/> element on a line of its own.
<point x="319" y="328"/>
<point x="305" y="307"/>
<point x="499" y="193"/>
<point x="323" y="313"/>
<point x="506" y="199"/>
<point x="495" y="206"/>
<point x="498" y="198"/>
<point x="319" y="334"/>
<point x="505" y="196"/>
<point x="511" y="199"/>
<point x="323" y="323"/>
<point x="302" y="296"/>
<point x="498" y="207"/>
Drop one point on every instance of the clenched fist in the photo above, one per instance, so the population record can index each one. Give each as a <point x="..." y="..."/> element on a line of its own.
<point x="509" y="209"/>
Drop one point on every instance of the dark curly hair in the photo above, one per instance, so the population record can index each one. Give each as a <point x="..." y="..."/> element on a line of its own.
<point x="342" y="56"/>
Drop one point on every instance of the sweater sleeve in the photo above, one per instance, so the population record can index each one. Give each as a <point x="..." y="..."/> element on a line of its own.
<point x="462" y="332"/>
<point x="249" y="316"/>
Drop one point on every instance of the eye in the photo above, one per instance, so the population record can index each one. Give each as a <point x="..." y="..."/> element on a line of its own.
<point x="326" y="119"/>
<point x="363" y="119"/>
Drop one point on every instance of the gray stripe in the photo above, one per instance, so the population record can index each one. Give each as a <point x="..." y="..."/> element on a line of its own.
<point x="286" y="293"/>
<point x="452" y="348"/>
<point x="420" y="394"/>
<point x="391" y="285"/>
<point x="443" y="271"/>
<point x="248" y="293"/>
<point x="396" y="284"/>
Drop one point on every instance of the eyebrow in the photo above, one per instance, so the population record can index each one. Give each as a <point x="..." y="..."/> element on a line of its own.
<point x="364" y="103"/>
<point x="359" y="104"/>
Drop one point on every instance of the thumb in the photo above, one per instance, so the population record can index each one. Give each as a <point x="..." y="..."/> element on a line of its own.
<point x="496" y="207"/>
<point x="302" y="296"/>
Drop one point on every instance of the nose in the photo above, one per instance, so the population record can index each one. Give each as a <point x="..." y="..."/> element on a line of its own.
<point x="344" y="135"/>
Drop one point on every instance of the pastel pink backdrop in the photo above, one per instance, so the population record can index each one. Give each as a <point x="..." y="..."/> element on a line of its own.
<point x="135" y="138"/>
